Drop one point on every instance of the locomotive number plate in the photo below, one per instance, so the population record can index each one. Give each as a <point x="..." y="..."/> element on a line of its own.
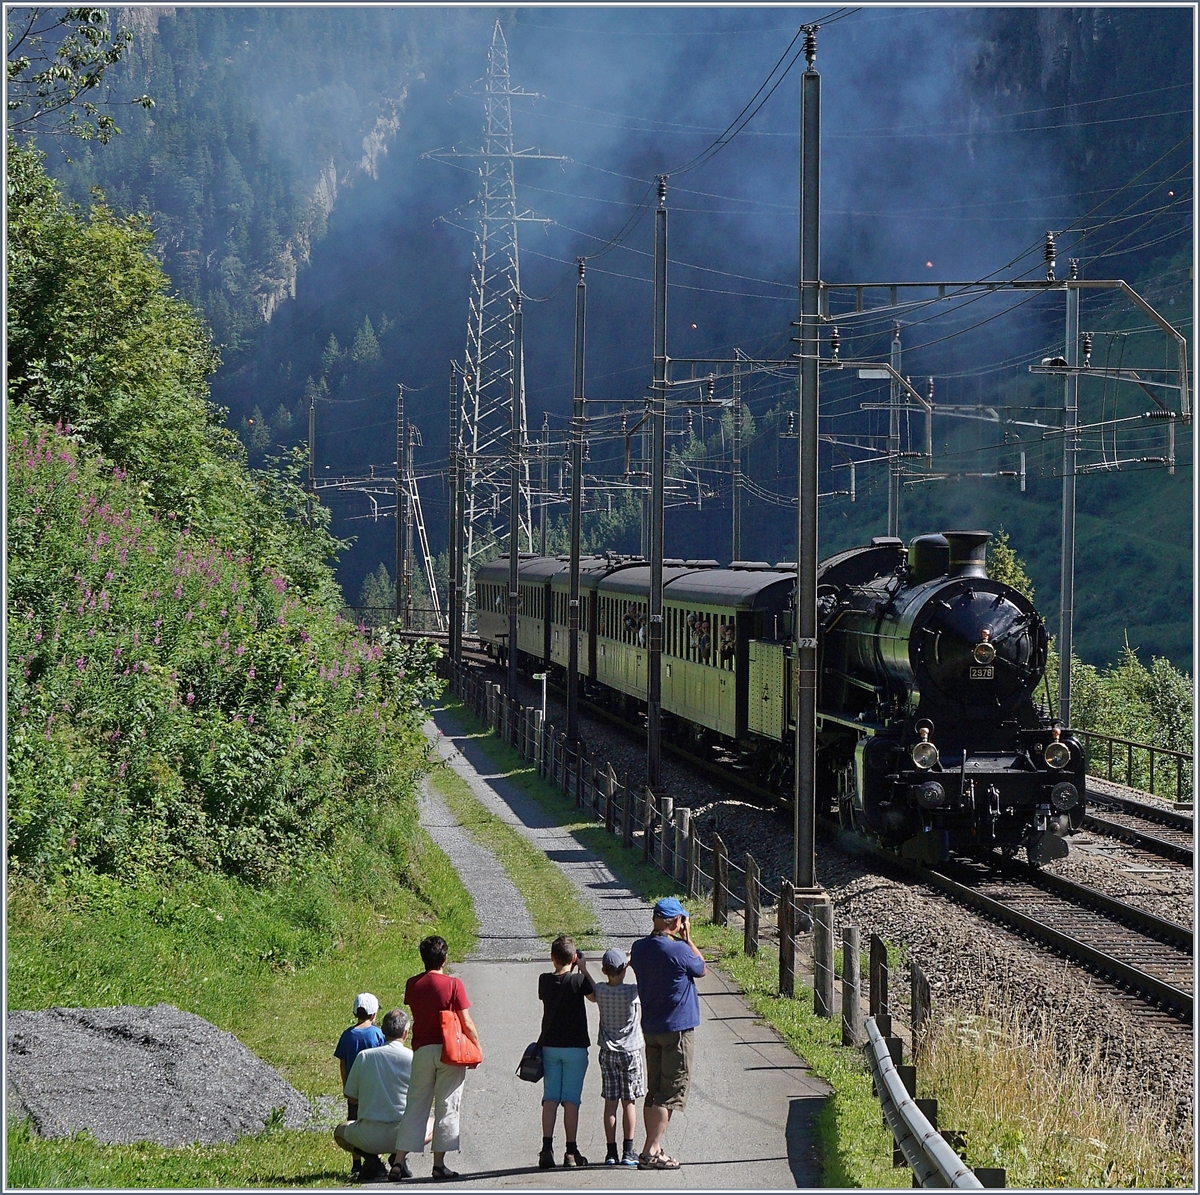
<point x="984" y="672"/>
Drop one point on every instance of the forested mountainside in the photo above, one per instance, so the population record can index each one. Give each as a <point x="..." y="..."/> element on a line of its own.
<point x="281" y="169"/>
<point x="261" y="117"/>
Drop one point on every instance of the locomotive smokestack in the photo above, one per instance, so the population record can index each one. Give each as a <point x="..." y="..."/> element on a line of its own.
<point x="968" y="553"/>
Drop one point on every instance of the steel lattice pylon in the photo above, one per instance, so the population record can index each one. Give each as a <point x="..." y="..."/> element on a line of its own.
<point x="487" y="392"/>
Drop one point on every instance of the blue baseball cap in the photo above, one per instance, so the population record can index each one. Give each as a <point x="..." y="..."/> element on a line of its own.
<point x="669" y="907"/>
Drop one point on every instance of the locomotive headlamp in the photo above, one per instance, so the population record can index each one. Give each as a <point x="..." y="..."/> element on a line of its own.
<point x="1057" y="755"/>
<point x="984" y="651"/>
<point x="924" y="753"/>
<point x="1064" y="796"/>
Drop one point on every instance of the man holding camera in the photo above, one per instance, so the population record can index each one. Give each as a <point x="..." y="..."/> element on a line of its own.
<point x="667" y="964"/>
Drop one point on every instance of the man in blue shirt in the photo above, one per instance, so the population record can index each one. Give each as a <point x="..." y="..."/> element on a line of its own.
<point x="667" y="964"/>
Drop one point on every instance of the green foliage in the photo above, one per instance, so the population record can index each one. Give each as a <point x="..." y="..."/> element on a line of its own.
<point x="57" y="62"/>
<point x="1003" y="564"/>
<point x="172" y="700"/>
<point x="379" y="592"/>
<point x="98" y="344"/>
<point x="365" y="347"/>
<point x="274" y="965"/>
<point x="1148" y="705"/>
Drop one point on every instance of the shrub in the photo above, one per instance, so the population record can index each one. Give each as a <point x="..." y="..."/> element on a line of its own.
<point x="172" y="700"/>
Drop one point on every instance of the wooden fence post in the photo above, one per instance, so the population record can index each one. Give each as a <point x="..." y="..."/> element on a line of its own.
<point x="823" y="958"/>
<point x="787" y="939"/>
<point x="683" y="818"/>
<point x="647" y="825"/>
<point x="879" y="977"/>
<point x="751" y="942"/>
<point x="627" y="811"/>
<point x="666" y="837"/>
<point x="921" y="1009"/>
<point x="693" y="859"/>
<point x="852" y="1020"/>
<point x="720" y="881"/>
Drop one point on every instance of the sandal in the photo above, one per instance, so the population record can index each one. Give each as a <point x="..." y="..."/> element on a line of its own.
<point x="441" y="1173"/>
<point x="659" y="1161"/>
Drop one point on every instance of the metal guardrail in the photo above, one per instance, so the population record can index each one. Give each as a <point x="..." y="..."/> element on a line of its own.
<point x="933" y="1162"/>
<point x="1139" y="763"/>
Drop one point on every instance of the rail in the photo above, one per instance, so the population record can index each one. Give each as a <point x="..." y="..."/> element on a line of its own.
<point x="933" y="1162"/>
<point x="1140" y="765"/>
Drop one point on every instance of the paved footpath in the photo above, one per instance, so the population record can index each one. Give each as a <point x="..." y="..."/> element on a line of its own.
<point x="749" y="1122"/>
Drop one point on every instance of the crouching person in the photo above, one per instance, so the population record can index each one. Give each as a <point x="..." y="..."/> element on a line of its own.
<point x="378" y="1080"/>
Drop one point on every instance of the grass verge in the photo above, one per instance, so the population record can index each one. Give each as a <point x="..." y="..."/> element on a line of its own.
<point x="554" y="903"/>
<point x="276" y="967"/>
<point x="1030" y="1100"/>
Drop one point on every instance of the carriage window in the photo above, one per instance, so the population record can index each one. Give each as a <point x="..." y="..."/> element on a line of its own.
<point x="701" y="636"/>
<point x="728" y="643"/>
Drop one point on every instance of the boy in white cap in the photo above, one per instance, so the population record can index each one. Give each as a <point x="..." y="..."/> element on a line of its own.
<point x="364" y="1035"/>
<point x="623" y="1076"/>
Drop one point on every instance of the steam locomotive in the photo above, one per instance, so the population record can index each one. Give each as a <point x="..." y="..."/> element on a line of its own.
<point x="929" y="740"/>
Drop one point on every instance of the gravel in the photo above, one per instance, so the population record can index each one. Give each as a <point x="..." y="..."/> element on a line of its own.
<point x="971" y="963"/>
<point x="140" y="1074"/>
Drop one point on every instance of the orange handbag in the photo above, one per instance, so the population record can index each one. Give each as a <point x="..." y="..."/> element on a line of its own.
<point x="457" y="1048"/>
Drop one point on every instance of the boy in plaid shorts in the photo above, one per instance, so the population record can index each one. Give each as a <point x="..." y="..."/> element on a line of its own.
<point x="622" y="1072"/>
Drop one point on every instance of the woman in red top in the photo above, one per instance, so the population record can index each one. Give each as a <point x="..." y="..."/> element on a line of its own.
<point x="434" y="1082"/>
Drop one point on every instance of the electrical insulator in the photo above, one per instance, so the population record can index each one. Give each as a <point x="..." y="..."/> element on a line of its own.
<point x="712" y="386"/>
<point x="930" y="391"/>
<point x="1086" y="342"/>
<point x="791" y="431"/>
<point x="810" y="44"/>
<point x="690" y="432"/>
<point x="835" y="342"/>
<point x="1051" y="254"/>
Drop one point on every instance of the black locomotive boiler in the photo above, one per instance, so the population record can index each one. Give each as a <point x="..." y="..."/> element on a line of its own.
<point x="928" y="736"/>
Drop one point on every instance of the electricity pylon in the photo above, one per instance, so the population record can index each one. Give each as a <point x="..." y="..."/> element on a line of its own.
<point x="491" y="368"/>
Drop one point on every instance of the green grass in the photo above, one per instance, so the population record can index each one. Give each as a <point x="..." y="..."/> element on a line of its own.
<point x="276" y="967"/>
<point x="273" y="1158"/>
<point x="554" y="903"/>
<point x="855" y="1148"/>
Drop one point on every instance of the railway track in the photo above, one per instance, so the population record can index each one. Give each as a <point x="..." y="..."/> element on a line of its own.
<point x="1139" y="952"/>
<point x="1161" y="832"/>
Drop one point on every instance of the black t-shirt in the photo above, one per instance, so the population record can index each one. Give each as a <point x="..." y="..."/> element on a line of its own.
<point x="564" y="1019"/>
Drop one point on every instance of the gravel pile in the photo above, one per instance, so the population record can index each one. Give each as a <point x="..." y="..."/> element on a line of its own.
<point x="971" y="963"/>
<point x="140" y="1074"/>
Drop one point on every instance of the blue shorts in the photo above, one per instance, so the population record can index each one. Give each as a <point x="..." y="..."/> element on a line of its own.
<point x="564" y="1071"/>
